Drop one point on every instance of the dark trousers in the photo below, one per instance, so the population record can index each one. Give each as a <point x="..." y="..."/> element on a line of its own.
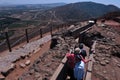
<point x="70" y="73"/>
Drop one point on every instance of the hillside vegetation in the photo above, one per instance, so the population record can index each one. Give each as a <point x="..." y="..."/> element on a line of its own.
<point x="57" y="13"/>
<point x="78" y="11"/>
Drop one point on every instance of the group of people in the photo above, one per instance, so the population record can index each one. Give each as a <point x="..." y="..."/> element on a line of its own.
<point x="76" y="62"/>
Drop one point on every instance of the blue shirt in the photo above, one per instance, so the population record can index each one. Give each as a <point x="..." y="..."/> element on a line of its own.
<point x="79" y="70"/>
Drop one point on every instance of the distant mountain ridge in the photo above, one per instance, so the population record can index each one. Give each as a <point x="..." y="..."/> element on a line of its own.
<point x="112" y="16"/>
<point x="30" y="6"/>
<point x="79" y="11"/>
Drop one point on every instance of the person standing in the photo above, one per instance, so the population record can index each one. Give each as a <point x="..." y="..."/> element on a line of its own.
<point x="70" y="64"/>
<point x="83" y="52"/>
<point x="79" y="64"/>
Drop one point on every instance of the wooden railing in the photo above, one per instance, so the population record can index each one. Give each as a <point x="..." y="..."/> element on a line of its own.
<point x="90" y="64"/>
<point x="8" y="43"/>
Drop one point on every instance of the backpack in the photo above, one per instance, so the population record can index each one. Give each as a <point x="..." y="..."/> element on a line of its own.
<point x="83" y="53"/>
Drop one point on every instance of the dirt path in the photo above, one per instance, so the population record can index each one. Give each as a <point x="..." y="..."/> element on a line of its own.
<point x="18" y="71"/>
<point x="3" y="53"/>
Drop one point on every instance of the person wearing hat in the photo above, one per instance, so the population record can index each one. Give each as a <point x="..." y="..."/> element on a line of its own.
<point x="79" y="64"/>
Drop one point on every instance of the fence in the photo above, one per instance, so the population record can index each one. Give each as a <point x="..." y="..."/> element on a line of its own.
<point x="28" y="34"/>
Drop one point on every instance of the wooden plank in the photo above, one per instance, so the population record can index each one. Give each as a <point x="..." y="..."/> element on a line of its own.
<point x="88" y="77"/>
<point x="59" y="69"/>
<point x="90" y="64"/>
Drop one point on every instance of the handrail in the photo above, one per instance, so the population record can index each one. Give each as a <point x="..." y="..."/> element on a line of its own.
<point x="90" y="64"/>
<point x="23" y="38"/>
<point x="58" y="74"/>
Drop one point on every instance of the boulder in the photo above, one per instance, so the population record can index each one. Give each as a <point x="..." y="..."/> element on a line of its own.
<point x="7" y="69"/>
<point x="37" y="75"/>
<point x="40" y="78"/>
<point x="27" y="62"/>
<point x="22" y="65"/>
<point x="53" y="42"/>
<point x="103" y="63"/>
<point x="37" y="69"/>
<point x="104" y="72"/>
<point x="108" y="55"/>
<point x="31" y="71"/>
<point x="107" y="62"/>
<point x="118" y="65"/>
<point x="2" y="77"/>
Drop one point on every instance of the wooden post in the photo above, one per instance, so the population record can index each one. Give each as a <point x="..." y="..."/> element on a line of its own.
<point x="62" y="26"/>
<point x="8" y="42"/>
<point x="1" y="25"/>
<point x="26" y="32"/>
<point x="58" y="28"/>
<point x="66" y="26"/>
<point x="41" y="33"/>
<point x="51" y="30"/>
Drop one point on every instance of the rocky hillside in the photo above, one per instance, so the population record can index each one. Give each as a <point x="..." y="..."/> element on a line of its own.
<point x="78" y="11"/>
<point x="58" y="12"/>
<point x="111" y="15"/>
<point x="107" y="54"/>
<point x="115" y="16"/>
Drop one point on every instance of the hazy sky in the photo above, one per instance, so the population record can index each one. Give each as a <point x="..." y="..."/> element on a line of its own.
<point x="115" y="2"/>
